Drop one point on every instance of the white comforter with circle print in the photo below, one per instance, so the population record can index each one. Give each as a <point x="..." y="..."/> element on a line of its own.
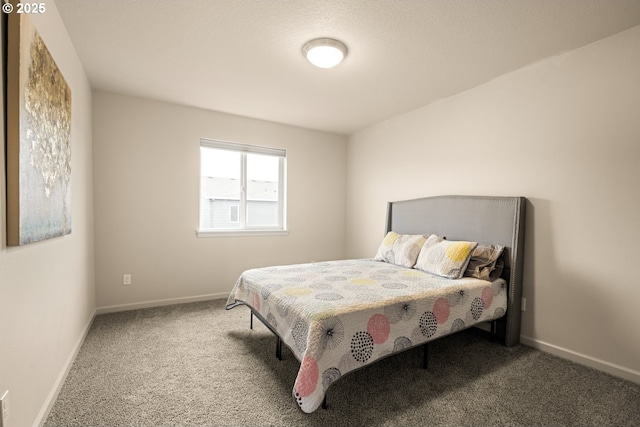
<point x="338" y="316"/>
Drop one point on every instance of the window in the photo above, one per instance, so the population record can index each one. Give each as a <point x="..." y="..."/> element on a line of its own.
<point x="242" y="189"/>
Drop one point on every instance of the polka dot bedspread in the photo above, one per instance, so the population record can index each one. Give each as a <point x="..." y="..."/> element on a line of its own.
<point x="338" y="316"/>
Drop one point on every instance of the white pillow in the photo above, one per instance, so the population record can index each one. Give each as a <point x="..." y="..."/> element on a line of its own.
<point x="400" y="249"/>
<point x="445" y="258"/>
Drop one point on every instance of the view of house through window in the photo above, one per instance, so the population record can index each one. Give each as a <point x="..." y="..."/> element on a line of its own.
<point x="241" y="187"/>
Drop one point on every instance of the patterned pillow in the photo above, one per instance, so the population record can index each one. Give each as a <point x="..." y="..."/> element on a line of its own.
<point x="445" y="258"/>
<point x="482" y="264"/>
<point x="400" y="249"/>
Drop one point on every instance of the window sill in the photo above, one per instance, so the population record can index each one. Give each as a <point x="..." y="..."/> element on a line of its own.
<point x="240" y="233"/>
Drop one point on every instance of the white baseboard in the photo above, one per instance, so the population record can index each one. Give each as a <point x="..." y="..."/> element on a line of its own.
<point x="57" y="386"/>
<point x="592" y="362"/>
<point x="158" y="303"/>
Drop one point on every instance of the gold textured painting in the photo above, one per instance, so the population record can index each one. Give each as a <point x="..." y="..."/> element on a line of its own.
<point x="38" y="139"/>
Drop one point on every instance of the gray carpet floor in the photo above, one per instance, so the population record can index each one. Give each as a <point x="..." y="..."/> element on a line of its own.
<point x="200" y="365"/>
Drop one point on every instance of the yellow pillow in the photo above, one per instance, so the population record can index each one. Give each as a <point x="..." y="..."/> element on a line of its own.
<point x="400" y="249"/>
<point x="445" y="258"/>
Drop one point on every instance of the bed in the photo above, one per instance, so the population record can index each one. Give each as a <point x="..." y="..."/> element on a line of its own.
<point x="340" y="316"/>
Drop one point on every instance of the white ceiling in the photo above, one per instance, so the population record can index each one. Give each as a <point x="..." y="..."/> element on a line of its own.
<point x="245" y="56"/>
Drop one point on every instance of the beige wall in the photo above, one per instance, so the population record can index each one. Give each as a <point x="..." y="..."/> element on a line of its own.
<point x="146" y="165"/>
<point x="47" y="296"/>
<point x="565" y="133"/>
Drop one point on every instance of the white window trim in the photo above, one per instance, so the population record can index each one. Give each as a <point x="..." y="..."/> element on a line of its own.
<point x="278" y="230"/>
<point x="241" y="233"/>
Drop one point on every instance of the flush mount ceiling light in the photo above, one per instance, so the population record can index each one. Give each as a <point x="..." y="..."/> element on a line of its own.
<point x="325" y="53"/>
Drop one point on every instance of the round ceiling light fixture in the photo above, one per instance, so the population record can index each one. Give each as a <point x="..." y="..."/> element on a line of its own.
<point x="325" y="53"/>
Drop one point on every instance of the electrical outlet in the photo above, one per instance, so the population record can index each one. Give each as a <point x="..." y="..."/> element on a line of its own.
<point x="524" y="304"/>
<point x="126" y="279"/>
<point x="4" y="409"/>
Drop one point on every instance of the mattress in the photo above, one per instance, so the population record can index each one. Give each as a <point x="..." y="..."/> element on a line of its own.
<point x="339" y="316"/>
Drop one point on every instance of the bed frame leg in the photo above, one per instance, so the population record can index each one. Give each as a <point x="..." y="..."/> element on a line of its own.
<point x="425" y="356"/>
<point x="251" y="321"/>
<point x="492" y="337"/>
<point x="324" y="402"/>
<point x="278" y="348"/>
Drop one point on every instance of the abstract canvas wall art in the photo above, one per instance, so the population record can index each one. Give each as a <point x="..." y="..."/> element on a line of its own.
<point x="38" y="139"/>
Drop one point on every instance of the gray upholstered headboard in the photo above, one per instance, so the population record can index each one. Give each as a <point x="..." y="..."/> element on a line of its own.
<point x="489" y="220"/>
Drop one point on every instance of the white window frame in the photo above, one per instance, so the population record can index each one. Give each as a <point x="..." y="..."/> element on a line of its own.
<point x="245" y="229"/>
